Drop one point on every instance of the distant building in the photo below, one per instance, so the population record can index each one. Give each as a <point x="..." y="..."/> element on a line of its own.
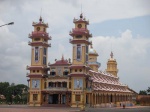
<point x="77" y="83"/>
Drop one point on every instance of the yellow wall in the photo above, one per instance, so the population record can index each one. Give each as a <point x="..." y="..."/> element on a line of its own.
<point x="83" y="25"/>
<point x="41" y="28"/>
<point x="112" y="67"/>
<point x="83" y="59"/>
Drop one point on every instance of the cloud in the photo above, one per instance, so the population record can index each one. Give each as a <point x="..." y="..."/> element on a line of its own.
<point x="106" y="10"/>
<point x="132" y="55"/>
<point x="14" y="57"/>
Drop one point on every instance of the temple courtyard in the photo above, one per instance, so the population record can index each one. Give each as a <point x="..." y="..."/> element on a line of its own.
<point x="24" y="108"/>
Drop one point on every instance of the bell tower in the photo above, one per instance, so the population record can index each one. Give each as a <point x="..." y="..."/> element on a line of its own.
<point x="112" y="65"/>
<point x="79" y="68"/>
<point x="39" y="54"/>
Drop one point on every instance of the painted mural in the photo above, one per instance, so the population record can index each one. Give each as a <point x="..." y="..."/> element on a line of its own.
<point x="78" y="83"/>
<point x="36" y="84"/>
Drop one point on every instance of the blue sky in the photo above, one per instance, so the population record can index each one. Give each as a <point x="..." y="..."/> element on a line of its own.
<point x="138" y="25"/>
<point x="122" y="26"/>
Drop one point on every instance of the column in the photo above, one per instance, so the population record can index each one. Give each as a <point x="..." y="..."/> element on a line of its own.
<point x="46" y="98"/>
<point x="95" y="99"/>
<point x="105" y="98"/>
<point x="98" y="99"/>
<point x="114" y="98"/>
<point x="92" y="99"/>
<point x="58" y="98"/>
<point x="109" y="98"/>
<point x="89" y="98"/>
<point x="102" y="98"/>
<point x="61" y="98"/>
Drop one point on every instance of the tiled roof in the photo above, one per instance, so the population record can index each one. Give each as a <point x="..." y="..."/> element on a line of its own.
<point x="61" y="62"/>
<point x="103" y="81"/>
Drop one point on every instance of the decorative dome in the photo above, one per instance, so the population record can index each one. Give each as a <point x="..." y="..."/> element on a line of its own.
<point x="92" y="51"/>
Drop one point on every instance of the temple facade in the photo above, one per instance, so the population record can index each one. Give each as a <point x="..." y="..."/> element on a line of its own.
<point x="76" y="83"/>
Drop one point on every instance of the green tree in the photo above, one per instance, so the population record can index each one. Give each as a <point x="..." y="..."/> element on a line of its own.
<point x="18" y="91"/>
<point x="148" y="90"/>
<point x="142" y="92"/>
<point x="9" y="94"/>
<point x="3" y="88"/>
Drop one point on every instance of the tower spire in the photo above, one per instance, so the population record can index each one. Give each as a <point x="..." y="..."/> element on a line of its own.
<point x="81" y="8"/>
<point x="40" y="16"/>
<point x="40" y="19"/>
<point x="62" y="57"/>
<point x="111" y="55"/>
<point x="112" y="65"/>
<point x="81" y="16"/>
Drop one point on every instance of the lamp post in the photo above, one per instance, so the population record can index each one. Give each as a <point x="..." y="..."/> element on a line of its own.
<point x="11" y="23"/>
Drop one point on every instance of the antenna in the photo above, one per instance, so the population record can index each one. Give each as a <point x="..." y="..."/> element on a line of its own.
<point x="81" y="7"/>
<point x="41" y="12"/>
<point x="111" y="46"/>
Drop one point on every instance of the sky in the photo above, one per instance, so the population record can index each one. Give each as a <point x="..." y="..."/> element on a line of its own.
<point x="121" y="26"/>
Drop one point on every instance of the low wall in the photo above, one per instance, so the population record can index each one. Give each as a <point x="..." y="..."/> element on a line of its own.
<point x="143" y="100"/>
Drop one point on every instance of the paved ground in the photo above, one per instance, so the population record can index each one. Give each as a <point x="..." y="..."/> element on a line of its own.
<point x="131" y="109"/>
<point x="24" y="108"/>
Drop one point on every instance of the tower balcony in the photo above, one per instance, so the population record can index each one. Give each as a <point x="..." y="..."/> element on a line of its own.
<point x="81" y="31"/>
<point x="80" y="41"/>
<point x="27" y="74"/>
<point x="39" y="44"/>
<point x="41" y="23"/>
<point x="95" y="63"/>
<point x="37" y="67"/>
<point x="56" y="89"/>
<point x="42" y="34"/>
<point x="88" y="89"/>
<point x="81" y="20"/>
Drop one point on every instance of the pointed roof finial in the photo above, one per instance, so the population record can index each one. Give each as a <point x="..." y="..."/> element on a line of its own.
<point x="40" y="16"/>
<point x="111" y="55"/>
<point x="40" y="19"/>
<point x="81" y="8"/>
<point x="81" y="16"/>
<point x="62" y="57"/>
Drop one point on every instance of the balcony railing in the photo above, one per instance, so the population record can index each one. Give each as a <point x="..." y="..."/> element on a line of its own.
<point x="81" y="29"/>
<point x="27" y="74"/>
<point x="97" y="63"/>
<point x="41" y="34"/>
<point x="89" y="89"/>
<point x="84" y="19"/>
<point x="65" y="76"/>
<point x="57" y="88"/>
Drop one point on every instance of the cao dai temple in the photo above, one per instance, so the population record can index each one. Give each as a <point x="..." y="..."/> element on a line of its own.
<point x="77" y="83"/>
